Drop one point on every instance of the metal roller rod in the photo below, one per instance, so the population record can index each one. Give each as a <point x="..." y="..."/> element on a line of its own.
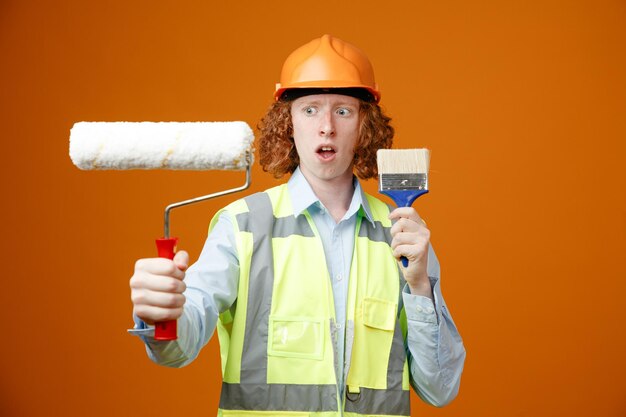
<point x="207" y="197"/>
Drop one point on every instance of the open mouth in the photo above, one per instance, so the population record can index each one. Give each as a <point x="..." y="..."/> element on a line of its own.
<point x="326" y="152"/>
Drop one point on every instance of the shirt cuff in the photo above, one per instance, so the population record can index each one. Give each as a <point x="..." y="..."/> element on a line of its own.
<point x="418" y="307"/>
<point x="141" y="328"/>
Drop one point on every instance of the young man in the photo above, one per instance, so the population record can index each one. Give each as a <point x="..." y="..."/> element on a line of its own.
<point x="313" y="310"/>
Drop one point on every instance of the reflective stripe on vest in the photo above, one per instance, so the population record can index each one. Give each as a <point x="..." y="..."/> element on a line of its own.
<point x="258" y="337"/>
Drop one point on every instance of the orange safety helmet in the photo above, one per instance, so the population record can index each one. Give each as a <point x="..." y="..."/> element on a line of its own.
<point x="327" y="63"/>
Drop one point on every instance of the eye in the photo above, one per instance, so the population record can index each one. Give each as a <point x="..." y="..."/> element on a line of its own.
<point x="342" y="111"/>
<point x="310" y="111"/>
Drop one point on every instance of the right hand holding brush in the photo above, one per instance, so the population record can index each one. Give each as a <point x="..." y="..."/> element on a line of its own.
<point x="410" y="239"/>
<point x="157" y="288"/>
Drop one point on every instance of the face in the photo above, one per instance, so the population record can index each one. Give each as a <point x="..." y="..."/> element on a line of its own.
<point x="325" y="131"/>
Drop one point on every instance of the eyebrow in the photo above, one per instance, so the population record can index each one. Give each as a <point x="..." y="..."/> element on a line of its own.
<point x="318" y="102"/>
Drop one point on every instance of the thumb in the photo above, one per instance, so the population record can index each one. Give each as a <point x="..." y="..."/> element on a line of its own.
<point x="181" y="260"/>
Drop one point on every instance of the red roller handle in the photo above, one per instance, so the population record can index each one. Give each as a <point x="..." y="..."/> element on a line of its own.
<point x="166" y="330"/>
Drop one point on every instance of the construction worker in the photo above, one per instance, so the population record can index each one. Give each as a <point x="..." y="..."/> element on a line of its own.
<point x="313" y="310"/>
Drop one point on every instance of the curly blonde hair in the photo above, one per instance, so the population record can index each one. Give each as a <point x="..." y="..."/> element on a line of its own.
<point x="277" y="150"/>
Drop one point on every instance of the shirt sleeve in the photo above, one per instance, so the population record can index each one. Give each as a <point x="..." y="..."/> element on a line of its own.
<point x="212" y="284"/>
<point x="434" y="348"/>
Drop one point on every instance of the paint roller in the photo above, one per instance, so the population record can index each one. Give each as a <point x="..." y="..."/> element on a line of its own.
<point x="165" y="145"/>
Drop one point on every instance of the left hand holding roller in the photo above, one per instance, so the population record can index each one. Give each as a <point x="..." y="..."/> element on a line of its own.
<point x="163" y="145"/>
<point x="166" y="330"/>
<point x="157" y="288"/>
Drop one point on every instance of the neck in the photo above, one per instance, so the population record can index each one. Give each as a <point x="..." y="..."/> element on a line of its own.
<point x="335" y="195"/>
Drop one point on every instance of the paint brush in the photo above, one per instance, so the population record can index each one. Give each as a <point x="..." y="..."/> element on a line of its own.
<point x="403" y="176"/>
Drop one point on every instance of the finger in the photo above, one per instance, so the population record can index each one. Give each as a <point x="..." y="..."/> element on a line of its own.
<point x="151" y="314"/>
<point x="407" y="225"/>
<point x="404" y="225"/>
<point x="404" y="238"/>
<point x="159" y="266"/>
<point x="411" y="252"/>
<point x="418" y="246"/>
<point x="158" y="299"/>
<point x="400" y="251"/>
<point x="181" y="260"/>
<point x="405" y="212"/>
<point x="159" y="283"/>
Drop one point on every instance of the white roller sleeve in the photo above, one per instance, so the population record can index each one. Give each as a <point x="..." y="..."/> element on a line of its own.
<point x="161" y="145"/>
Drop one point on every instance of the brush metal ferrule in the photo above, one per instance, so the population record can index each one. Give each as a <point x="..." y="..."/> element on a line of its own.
<point x="391" y="182"/>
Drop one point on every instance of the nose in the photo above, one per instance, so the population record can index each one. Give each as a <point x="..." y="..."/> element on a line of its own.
<point x="327" y="125"/>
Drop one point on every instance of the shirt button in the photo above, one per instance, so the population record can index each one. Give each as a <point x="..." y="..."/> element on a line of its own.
<point x="419" y="309"/>
<point x="338" y="326"/>
<point x="339" y="277"/>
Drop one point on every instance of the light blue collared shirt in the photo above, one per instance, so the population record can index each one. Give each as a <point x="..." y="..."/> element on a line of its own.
<point x="434" y="348"/>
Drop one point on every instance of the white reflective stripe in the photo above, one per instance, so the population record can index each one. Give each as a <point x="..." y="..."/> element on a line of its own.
<point x="379" y="401"/>
<point x="397" y="357"/>
<point x="280" y="226"/>
<point x="379" y="233"/>
<point x="261" y="281"/>
<point x="278" y="397"/>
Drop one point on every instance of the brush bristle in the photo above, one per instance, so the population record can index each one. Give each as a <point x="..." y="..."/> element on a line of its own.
<point x="403" y="161"/>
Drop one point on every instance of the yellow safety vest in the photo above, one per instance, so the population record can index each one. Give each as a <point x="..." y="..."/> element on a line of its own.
<point x="277" y="341"/>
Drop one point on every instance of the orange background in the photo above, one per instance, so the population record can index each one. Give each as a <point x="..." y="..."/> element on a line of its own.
<point x="522" y="104"/>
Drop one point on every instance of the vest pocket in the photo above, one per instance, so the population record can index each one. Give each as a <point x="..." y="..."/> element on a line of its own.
<point x="373" y="338"/>
<point x="295" y="337"/>
<point x="379" y="314"/>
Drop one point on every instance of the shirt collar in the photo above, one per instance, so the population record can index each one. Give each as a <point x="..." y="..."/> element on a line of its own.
<point x="303" y="197"/>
